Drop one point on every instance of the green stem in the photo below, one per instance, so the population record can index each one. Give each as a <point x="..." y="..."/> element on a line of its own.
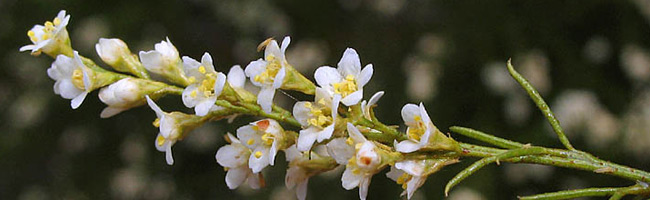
<point x="587" y="192"/>
<point x="541" y="104"/>
<point x="484" y="137"/>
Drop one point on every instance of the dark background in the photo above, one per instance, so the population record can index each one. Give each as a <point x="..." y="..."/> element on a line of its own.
<point x="589" y="59"/>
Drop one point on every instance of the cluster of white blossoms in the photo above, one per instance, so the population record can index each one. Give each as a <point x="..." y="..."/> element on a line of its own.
<point x="337" y="128"/>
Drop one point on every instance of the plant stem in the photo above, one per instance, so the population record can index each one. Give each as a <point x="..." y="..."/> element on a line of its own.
<point x="541" y="104"/>
<point x="484" y="137"/>
<point x="615" y="192"/>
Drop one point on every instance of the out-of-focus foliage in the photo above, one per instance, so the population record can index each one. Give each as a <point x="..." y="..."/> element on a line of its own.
<point x="589" y="59"/>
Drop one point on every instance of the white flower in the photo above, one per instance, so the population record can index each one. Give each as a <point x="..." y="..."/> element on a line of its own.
<point x="317" y="118"/>
<point x="111" y="50"/>
<point x="410" y="174"/>
<point x="269" y="73"/>
<point x="366" y="106"/>
<point x="72" y="78"/>
<point x="347" y="80"/>
<point x="49" y="36"/>
<point x="173" y="127"/>
<point x="120" y="96"/>
<point x="263" y="137"/>
<point x="305" y="164"/>
<point x="420" y="128"/>
<point x="296" y="176"/>
<point x="206" y="84"/>
<point x="365" y="163"/>
<point x="234" y="158"/>
<point x="165" y="61"/>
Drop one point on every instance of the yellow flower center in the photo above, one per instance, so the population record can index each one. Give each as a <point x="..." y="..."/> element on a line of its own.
<point x="160" y="140"/>
<point x="416" y="132"/>
<point x="403" y="179"/>
<point x="346" y="87"/>
<point x="268" y="139"/>
<point x="78" y="79"/>
<point x="258" y="154"/>
<point x="319" y="118"/>
<point x="47" y="31"/>
<point x="156" y="123"/>
<point x="206" y="88"/>
<point x="272" y="69"/>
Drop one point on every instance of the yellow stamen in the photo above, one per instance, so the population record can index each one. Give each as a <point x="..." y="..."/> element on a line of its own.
<point x="250" y="142"/>
<point x="202" y="69"/>
<point x="193" y="94"/>
<point x="78" y="79"/>
<point x="156" y="123"/>
<point x="268" y="138"/>
<point x="192" y="79"/>
<point x="416" y="132"/>
<point x="272" y="68"/>
<point x="160" y="140"/>
<point x="346" y="87"/>
<point x="258" y="154"/>
<point x="57" y="21"/>
<point x="349" y="141"/>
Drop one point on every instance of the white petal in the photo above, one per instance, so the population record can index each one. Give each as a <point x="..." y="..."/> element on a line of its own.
<point x="236" y="77"/>
<point x="191" y="67"/>
<point x="407" y="146"/>
<point x="232" y="156"/>
<point x="206" y="61"/>
<point x="354" y="133"/>
<point x="249" y="136"/>
<point x="285" y="43"/>
<point x="67" y="89"/>
<point x="412" y="167"/>
<point x="327" y="75"/>
<point x="272" y="152"/>
<point x="111" y="111"/>
<point x="257" y="164"/>
<point x="413" y="184"/>
<point x="265" y="98"/>
<point x="168" y="154"/>
<point x="353" y="99"/>
<point x="236" y="176"/>
<point x="76" y="102"/>
<point x="424" y="114"/>
<point x="350" y="63"/>
<point x="204" y="106"/>
<point x="409" y="111"/>
<point x="349" y="180"/>
<point x="154" y="107"/>
<point x="255" y="68"/>
<point x="335" y="107"/>
<point x="273" y="49"/>
<point x="306" y="138"/>
<point x="339" y="149"/>
<point x="219" y="83"/>
<point x="375" y="98"/>
<point x="152" y="61"/>
<point x="27" y="47"/>
<point x="363" y="187"/>
<point x="301" y="190"/>
<point x="326" y="133"/>
<point x="291" y="153"/>
<point x="187" y="98"/>
<point x="364" y="76"/>
<point x="394" y="173"/>
<point x="279" y="78"/>
<point x="301" y="113"/>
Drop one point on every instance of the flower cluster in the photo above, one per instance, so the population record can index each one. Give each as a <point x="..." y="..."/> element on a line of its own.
<point x="335" y="128"/>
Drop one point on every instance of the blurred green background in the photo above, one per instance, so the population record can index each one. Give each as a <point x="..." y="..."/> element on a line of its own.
<point x="589" y="59"/>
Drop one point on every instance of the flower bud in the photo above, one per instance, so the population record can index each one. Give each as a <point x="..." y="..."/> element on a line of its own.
<point x="165" y="61"/>
<point x="128" y="93"/>
<point x="116" y="53"/>
<point x="51" y="38"/>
